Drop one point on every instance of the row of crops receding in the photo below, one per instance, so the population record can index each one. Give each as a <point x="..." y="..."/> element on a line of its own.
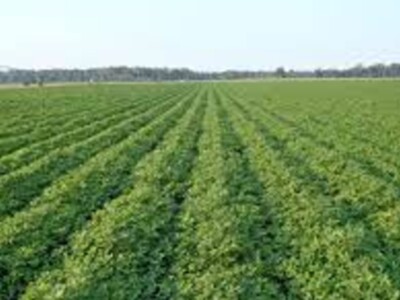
<point x="252" y="190"/>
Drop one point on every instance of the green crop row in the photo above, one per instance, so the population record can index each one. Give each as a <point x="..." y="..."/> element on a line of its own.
<point x="40" y="108"/>
<point x="131" y="238"/>
<point x="223" y="190"/>
<point x="66" y="138"/>
<point x="64" y="124"/>
<point x="33" y="178"/>
<point x="30" y="240"/>
<point x="223" y="250"/>
<point x="323" y="257"/>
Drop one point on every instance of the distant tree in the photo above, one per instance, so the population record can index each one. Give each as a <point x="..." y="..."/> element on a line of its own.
<point x="280" y="72"/>
<point x="166" y="74"/>
<point x="319" y="73"/>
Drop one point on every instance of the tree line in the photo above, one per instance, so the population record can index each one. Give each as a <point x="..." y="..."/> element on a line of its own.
<point x="28" y="77"/>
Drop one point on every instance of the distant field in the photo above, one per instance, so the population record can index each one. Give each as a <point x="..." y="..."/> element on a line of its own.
<point x="252" y="190"/>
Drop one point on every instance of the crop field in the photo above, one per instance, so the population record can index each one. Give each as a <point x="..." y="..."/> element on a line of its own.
<point x="230" y="190"/>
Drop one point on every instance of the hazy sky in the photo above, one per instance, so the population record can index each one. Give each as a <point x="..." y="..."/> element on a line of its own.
<point x="200" y="34"/>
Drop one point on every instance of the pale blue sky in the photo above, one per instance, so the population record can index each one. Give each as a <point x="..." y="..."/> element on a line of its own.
<point x="201" y="34"/>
